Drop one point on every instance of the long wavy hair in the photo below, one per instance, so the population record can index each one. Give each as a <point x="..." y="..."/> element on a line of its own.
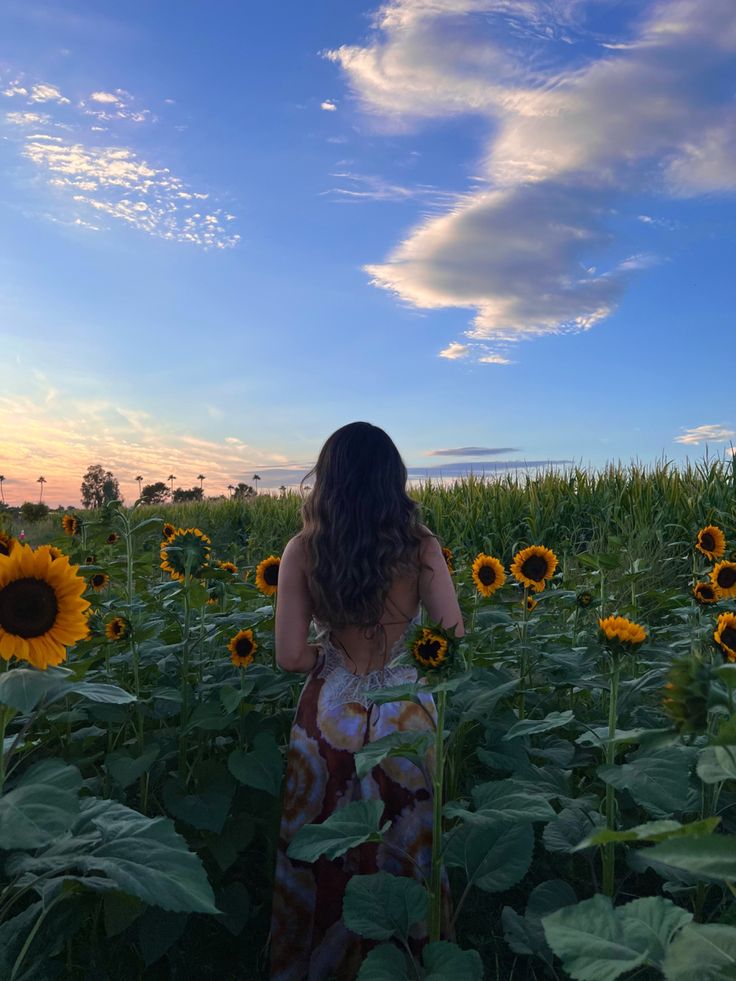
<point x="360" y="527"/>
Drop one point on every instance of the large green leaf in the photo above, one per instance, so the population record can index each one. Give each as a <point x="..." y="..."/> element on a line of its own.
<point x="717" y="763"/>
<point x="411" y="745"/>
<point x="384" y="963"/>
<point x="599" y="943"/>
<point x="444" y="961"/>
<point x="711" y="857"/>
<point x="347" y="827"/>
<point x="381" y="906"/>
<point x="651" y="831"/>
<point x="658" y="780"/>
<point x="526" y="727"/>
<point x="525" y="934"/>
<point x="501" y="801"/>
<point x="23" y="688"/>
<point x="126" y="769"/>
<point x="207" y="808"/>
<point x="703" y="951"/>
<point x="143" y="857"/>
<point x="570" y="829"/>
<point x="494" y="858"/>
<point x="42" y="805"/>
<point x="261" y="768"/>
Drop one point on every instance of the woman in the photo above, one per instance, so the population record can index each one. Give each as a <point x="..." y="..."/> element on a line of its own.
<point x="360" y="568"/>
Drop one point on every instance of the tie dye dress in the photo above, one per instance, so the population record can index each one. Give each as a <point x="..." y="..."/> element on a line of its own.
<point x="334" y="718"/>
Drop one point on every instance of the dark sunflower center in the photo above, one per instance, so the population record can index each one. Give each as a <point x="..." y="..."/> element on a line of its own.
<point x="487" y="575"/>
<point x="535" y="567"/>
<point x="98" y="580"/>
<point x="727" y="577"/>
<point x="28" y="607"/>
<point x="428" y="650"/>
<point x="585" y="599"/>
<point x="707" y="541"/>
<point x="244" y="647"/>
<point x="271" y="574"/>
<point x="728" y="637"/>
<point x="4" y="547"/>
<point x="706" y="592"/>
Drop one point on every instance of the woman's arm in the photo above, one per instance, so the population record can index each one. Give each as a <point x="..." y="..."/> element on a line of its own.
<point x="293" y="612"/>
<point x="436" y="588"/>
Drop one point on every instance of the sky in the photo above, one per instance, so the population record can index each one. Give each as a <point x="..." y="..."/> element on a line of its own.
<point x="502" y="230"/>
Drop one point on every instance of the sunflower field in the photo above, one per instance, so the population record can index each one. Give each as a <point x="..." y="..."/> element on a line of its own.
<point x="585" y="803"/>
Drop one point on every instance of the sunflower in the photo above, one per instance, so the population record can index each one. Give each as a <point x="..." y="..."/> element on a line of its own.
<point x="687" y="688"/>
<point x="42" y="611"/>
<point x="723" y="577"/>
<point x="267" y="575"/>
<point x="725" y="635"/>
<point x="91" y="559"/>
<point x="168" y="530"/>
<point x="112" y="538"/>
<point x="488" y="574"/>
<point x="98" y="581"/>
<point x="705" y="592"/>
<point x="429" y="648"/>
<point x="530" y="603"/>
<point x="448" y="558"/>
<point x="584" y="599"/>
<point x="117" y="628"/>
<point x="711" y="542"/>
<point x="212" y="601"/>
<point x="531" y="566"/>
<point x="242" y="647"/>
<point x="185" y="543"/>
<point x="228" y="566"/>
<point x="7" y="542"/>
<point x="70" y="524"/>
<point x="617" y="631"/>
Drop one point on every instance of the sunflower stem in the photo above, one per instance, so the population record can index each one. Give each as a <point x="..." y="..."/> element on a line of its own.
<point x="523" y="667"/>
<point x="608" y="848"/>
<point x="3" y="722"/>
<point x="435" y="892"/>
<point x="185" y="671"/>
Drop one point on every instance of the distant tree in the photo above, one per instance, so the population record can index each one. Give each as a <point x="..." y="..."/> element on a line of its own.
<point x="98" y="487"/>
<point x="256" y="478"/>
<point x="157" y="493"/>
<point x="140" y="484"/>
<point x="41" y="481"/>
<point x="33" y="512"/>
<point x="2" y="492"/>
<point x="193" y="494"/>
<point x="243" y="490"/>
<point x="230" y="488"/>
<point x="200" y="478"/>
<point x="282" y="488"/>
<point x="171" y="478"/>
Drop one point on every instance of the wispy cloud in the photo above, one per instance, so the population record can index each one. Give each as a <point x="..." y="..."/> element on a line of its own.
<point x="473" y="451"/>
<point x="93" y="180"/>
<point x="328" y="105"/>
<point x="706" y="434"/>
<point x="368" y="187"/>
<point x="572" y="127"/>
<point x="454" y="350"/>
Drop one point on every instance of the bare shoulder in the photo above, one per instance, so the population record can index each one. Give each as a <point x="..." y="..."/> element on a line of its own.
<point x="295" y="548"/>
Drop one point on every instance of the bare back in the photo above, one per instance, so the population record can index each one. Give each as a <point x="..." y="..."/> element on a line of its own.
<point x="429" y="585"/>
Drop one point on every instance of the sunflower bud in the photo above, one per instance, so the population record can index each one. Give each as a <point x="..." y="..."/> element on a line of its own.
<point x="687" y="690"/>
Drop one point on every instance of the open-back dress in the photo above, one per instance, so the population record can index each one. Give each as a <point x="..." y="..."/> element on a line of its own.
<point x="334" y="718"/>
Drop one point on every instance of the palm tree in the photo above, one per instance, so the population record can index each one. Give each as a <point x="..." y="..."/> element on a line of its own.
<point x="282" y="488"/>
<point x="172" y="478"/>
<point x="256" y="478"/>
<point x="140" y="485"/>
<point x="231" y="489"/>
<point x="200" y="478"/>
<point x="2" y="493"/>
<point x="41" y="481"/>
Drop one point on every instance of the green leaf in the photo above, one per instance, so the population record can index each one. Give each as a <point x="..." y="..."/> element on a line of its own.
<point x="232" y="697"/>
<point x="658" y="781"/>
<point x="711" y="857"/>
<point x="384" y="963"/>
<point x="158" y="931"/>
<point x="501" y="801"/>
<point x="143" y="857"/>
<point x="125" y="769"/>
<point x="23" y="688"/>
<point x="411" y="745"/>
<point x="95" y="692"/>
<point x="381" y="906"/>
<point x="345" y="828"/>
<point x="494" y="858"/>
<point x="407" y="692"/>
<point x="207" y="809"/>
<point x="42" y="806"/>
<point x="524" y="934"/>
<point x="703" y="951"/>
<point x="261" y="768"/>
<point x="445" y="961"/>
<point x="589" y="940"/>
<point x="525" y="727"/>
<point x="651" y="831"/>
<point x="717" y="763"/>
<point x="651" y="922"/>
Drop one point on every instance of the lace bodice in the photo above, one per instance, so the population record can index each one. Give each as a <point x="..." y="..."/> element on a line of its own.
<point x="342" y="686"/>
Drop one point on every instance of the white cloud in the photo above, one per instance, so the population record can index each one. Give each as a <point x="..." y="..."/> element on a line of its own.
<point x="328" y="105"/>
<point x="26" y="118"/>
<point x="565" y="139"/>
<point x="703" y="434"/>
<point x="454" y="351"/>
<point x="47" y="93"/>
<point x="494" y="359"/>
<point x="106" y="97"/>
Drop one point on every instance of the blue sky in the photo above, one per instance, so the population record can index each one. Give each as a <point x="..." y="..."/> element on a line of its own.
<point x="503" y="230"/>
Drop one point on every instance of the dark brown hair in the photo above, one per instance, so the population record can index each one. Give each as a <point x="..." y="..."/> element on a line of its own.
<point x="360" y="527"/>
